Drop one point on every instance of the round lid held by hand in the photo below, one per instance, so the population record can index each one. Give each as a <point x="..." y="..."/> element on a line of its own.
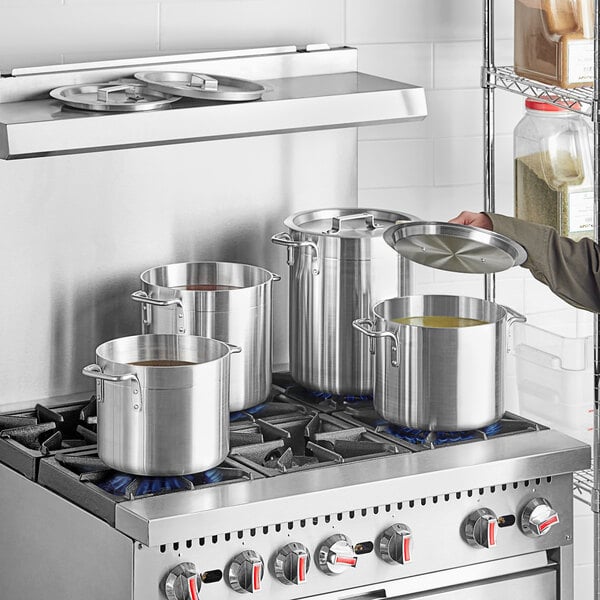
<point x="453" y="247"/>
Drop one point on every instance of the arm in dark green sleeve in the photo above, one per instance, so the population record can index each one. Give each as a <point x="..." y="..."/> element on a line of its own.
<point x="570" y="269"/>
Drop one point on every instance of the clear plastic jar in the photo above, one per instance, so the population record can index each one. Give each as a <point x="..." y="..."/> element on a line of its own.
<point x="554" y="41"/>
<point x="554" y="174"/>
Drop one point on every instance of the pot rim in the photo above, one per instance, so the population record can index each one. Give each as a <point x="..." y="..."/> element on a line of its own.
<point x="222" y="349"/>
<point x="269" y="277"/>
<point x="501" y="313"/>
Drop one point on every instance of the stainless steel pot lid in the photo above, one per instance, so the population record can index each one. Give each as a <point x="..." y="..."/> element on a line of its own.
<point x="349" y="223"/>
<point x="121" y="96"/>
<point x="453" y="247"/>
<point x="202" y="85"/>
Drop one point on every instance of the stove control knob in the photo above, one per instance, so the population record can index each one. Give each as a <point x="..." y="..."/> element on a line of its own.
<point x="292" y="563"/>
<point x="395" y="544"/>
<point x="246" y="572"/>
<point x="336" y="554"/>
<point x="481" y="528"/>
<point x="183" y="582"/>
<point x="538" y="517"/>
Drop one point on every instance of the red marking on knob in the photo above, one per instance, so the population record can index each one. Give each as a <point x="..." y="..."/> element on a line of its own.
<point x="406" y="548"/>
<point x="491" y="532"/>
<point x="301" y="569"/>
<point x="256" y="568"/>
<point x="548" y="523"/>
<point x="346" y="560"/>
<point x="192" y="587"/>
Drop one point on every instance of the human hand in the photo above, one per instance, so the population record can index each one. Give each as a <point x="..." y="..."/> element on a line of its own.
<point x="474" y="219"/>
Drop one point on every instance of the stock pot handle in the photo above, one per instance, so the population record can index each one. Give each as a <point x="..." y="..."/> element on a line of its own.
<point x="233" y="349"/>
<point x="365" y="326"/>
<point x="369" y="219"/>
<point x="143" y="298"/>
<point x="285" y="239"/>
<point x="515" y="317"/>
<point x="95" y="372"/>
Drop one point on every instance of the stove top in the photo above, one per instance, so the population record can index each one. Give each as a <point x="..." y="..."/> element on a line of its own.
<point x="295" y="430"/>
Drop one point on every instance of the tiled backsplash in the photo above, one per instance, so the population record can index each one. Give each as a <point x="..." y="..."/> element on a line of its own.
<point x="432" y="169"/>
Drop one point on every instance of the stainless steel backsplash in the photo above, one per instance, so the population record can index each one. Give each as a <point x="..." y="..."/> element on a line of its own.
<point x="76" y="232"/>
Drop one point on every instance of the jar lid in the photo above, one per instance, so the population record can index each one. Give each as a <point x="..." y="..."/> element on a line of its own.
<point x="454" y="247"/>
<point x="202" y="86"/>
<point x="537" y="104"/>
<point x="346" y="223"/>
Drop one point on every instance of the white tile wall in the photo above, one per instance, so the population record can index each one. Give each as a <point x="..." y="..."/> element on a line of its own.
<point x="432" y="169"/>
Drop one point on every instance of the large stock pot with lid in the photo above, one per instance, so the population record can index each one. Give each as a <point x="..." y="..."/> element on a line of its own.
<point x="340" y="266"/>
<point x="225" y="301"/>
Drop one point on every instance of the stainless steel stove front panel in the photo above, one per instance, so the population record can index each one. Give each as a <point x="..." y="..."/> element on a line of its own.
<point x="302" y="495"/>
<point x="436" y="525"/>
<point x="54" y="550"/>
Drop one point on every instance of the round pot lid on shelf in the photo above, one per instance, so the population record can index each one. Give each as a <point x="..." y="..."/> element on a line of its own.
<point x="202" y="86"/>
<point x="453" y="247"/>
<point x="121" y="96"/>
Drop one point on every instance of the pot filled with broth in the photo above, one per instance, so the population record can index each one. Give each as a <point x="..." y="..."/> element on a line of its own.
<point x="163" y="403"/>
<point x="439" y="360"/>
<point x="226" y="301"/>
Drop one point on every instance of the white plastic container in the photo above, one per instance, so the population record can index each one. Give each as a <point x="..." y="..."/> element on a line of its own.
<point x="555" y="380"/>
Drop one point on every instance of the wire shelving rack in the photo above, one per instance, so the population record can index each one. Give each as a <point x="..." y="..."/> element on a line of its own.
<point x="586" y="484"/>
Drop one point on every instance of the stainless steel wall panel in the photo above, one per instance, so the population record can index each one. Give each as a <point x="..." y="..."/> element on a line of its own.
<point x="77" y="231"/>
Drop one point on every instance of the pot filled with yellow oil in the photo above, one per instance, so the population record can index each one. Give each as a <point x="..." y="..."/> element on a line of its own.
<point x="439" y="360"/>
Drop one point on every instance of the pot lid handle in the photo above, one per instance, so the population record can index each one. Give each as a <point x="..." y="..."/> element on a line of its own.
<point x="337" y="222"/>
<point x="204" y="82"/>
<point x="104" y="92"/>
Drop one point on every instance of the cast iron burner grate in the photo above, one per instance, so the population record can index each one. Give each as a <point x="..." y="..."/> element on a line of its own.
<point x="438" y="438"/>
<point x="131" y="486"/>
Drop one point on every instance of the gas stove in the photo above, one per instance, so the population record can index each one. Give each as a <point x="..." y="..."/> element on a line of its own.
<point x="318" y="498"/>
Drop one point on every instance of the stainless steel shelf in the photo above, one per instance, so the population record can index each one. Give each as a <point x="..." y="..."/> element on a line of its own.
<point x="306" y="90"/>
<point x="583" y="486"/>
<point x="580" y="100"/>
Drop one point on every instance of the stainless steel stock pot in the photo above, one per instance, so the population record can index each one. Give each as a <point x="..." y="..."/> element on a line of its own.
<point x="163" y="403"/>
<point x="439" y="378"/>
<point x="340" y="266"/>
<point x="226" y="301"/>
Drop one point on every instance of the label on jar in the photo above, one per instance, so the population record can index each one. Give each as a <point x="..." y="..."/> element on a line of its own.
<point x="580" y="65"/>
<point x="581" y="211"/>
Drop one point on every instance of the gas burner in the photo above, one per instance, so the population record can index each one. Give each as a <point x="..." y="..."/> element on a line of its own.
<point x="86" y="480"/>
<point x="131" y="486"/>
<point x="340" y="398"/>
<point x="326" y="401"/>
<point x="438" y="438"/>
<point x="243" y="415"/>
